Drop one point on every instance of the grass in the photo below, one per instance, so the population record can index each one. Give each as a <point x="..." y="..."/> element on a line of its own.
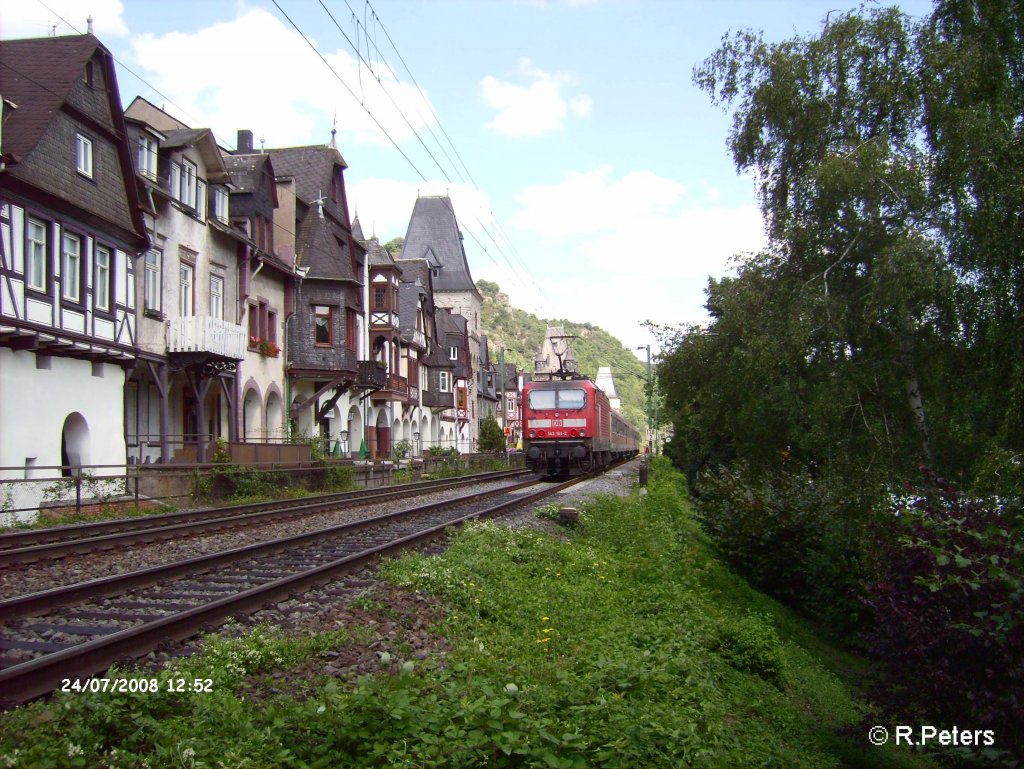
<point x="627" y="645"/>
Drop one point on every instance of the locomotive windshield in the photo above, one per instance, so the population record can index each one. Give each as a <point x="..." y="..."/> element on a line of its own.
<point x="569" y="398"/>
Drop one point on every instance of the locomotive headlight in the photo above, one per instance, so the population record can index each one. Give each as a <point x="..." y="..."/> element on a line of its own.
<point x="583" y="433"/>
<point x="532" y="434"/>
<point x="574" y="433"/>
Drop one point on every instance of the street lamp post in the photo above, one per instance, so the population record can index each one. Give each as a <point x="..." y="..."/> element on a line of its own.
<point x="416" y="442"/>
<point x="343" y="436"/>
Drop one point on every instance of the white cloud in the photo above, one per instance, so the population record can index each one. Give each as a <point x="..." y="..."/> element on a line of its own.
<point x="385" y="205"/>
<point x="635" y="247"/>
<point x="534" y="109"/>
<point x="255" y="72"/>
<point x="64" y="17"/>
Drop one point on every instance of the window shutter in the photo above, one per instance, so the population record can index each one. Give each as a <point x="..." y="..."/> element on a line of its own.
<point x="201" y="199"/>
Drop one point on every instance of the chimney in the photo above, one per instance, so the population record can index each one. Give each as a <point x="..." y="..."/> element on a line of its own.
<point x="244" y="142"/>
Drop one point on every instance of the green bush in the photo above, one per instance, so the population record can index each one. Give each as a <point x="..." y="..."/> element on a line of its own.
<point x="750" y="643"/>
<point x="491" y="436"/>
<point x="799" y="539"/>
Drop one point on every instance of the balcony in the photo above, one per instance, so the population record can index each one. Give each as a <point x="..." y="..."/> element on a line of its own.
<point x="206" y="334"/>
<point x="415" y="338"/>
<point x="437" y="400"/>
<point x="371" y="375"/>
<point x="396" y="389"/>
<point x="384" y="320"/>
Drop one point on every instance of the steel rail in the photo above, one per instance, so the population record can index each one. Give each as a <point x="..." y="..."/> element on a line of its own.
<point x="34" y="603"/>
<point x="40" y="676"/>
<point x="149" y="529"/>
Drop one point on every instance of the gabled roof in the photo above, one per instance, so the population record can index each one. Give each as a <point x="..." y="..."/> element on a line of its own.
<point x="202" y="139"/>
<point x="311" y="167"/>
<point x="434" y="235"/>
<point x="248" y="170"/>
<point x="322" y="247"/>
<point x="450" y="323"/>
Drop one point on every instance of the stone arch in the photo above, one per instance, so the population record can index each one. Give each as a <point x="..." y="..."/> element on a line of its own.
<point x="252" y="412"/>
<point x="274" y="408"/>
<point x="355" y="430"/>
<point x="75" y="444"/>
<point x="383" y="434"/>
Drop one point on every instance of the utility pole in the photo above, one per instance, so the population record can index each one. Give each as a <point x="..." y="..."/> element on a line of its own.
<point x="650" y="392"/>
<point x="501" y="378"/>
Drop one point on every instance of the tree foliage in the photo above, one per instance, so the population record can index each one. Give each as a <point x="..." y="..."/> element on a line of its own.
<point x="882" y="326"/>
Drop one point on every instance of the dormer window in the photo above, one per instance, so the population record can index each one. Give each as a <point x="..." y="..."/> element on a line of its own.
<point x="186" y="192"/>
<point x="83" y="155"/>
<point x="220" y="205"/>
<point x="147" y="157"/>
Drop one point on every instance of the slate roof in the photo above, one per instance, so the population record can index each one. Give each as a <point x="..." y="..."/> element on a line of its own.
<point x="434" y="235"/>
<point x="450" y="323"/>
<point x="322" y="246"/>
<point x="37" y="75"/>
<point x="311" y="167"/>
<point x="247" y="170"/>
<point x="377" y="254"/>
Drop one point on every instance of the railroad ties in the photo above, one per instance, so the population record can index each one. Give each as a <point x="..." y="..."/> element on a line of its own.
<point x="77" y="631"/>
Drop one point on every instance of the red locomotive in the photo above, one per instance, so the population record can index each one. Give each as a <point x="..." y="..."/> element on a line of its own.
<point x="569" y="426"/>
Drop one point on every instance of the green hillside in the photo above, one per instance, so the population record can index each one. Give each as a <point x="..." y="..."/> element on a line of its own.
<point x="522" y="334"/>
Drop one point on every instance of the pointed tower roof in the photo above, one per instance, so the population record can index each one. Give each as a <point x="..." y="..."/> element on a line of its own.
<point x="434" y="235"/>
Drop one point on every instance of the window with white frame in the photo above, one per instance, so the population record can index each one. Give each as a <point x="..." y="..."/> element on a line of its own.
<point x="35" y="256"/>
<point x="184" y="179"/>
<point x="444" y="381"/>
<point x="83" y="155"/>
<point x="220" y="204"/>
<point x="151" y="290"/>
<point x="186" y="280"/>
<point x="101" y="278"/>
<point x="71" y="268"/>
<point x="217" y="296"/>
<point x="453" y="352"/>
<point x="147" y="157"/>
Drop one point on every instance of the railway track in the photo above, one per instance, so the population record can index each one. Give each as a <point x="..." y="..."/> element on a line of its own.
<point x="32" y="545"/>
<point x="79" y="630"/>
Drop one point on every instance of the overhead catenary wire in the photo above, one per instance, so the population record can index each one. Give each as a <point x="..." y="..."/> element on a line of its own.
<point x="457" y="163"/>
<point x="524" y="277"/>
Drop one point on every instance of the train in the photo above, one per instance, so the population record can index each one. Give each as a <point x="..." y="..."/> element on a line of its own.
<point x="569" y="427"/>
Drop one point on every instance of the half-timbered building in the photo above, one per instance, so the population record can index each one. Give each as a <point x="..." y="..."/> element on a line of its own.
<point x="71" y="230"/>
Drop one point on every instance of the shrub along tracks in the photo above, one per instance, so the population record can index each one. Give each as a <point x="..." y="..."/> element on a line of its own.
<point x="96" y="623"/>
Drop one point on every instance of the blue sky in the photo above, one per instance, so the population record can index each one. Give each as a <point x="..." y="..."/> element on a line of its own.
<point x="590" y="175"/>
